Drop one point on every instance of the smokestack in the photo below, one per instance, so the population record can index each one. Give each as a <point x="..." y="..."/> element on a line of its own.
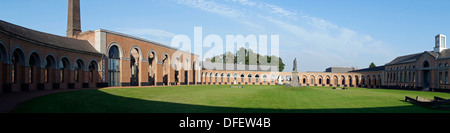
<point x="73" y="19"/>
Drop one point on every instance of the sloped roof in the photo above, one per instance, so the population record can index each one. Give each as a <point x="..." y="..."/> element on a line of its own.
<point x="380" y="68"/>
<point x="50" y="40"/>
<point x="405" y="59"/>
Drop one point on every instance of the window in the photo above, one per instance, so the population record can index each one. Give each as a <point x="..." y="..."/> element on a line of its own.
<point x="409" y="77"/>
<point x="92" y="67"/>
<point x="442" y="41"/>
<point x="46" y="74"/>
<point x="114" y="66"/>
<point x="264" y="78"/>
<point x="446" y="77"/>
<point x="440" y="78"/>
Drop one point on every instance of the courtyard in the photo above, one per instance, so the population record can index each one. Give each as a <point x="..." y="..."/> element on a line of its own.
<point x="226" y="99"/>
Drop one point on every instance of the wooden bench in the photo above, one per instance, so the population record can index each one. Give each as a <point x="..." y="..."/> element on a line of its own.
<point x="437" y="102"/>
<point x="236" y="86"/>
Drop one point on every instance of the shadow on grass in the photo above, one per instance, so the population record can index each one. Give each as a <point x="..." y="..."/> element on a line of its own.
<point x="96" y="101"/>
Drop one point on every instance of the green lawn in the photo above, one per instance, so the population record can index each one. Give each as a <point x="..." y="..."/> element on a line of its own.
<point x="222" y="99"/>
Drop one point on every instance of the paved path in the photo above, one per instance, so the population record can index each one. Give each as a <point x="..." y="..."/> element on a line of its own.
<point x="9" y="101"/>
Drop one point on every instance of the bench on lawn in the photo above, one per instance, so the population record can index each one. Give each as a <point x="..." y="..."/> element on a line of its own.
<point x="236" y="86"/>
<point x="438" y="102"/>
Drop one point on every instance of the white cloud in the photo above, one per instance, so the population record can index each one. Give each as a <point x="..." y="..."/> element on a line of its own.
<point x="211" y="6"/>
<point x="324" y="42"/>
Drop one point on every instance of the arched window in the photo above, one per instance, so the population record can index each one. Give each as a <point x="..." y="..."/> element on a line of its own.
<point x="228" y="77"/>
<point x="272" y="78"/>
<point x="264" y="78"/>
<point x="215" y="77"/>
<point x="92" y="69"/>
<point x="114" y="66"/>
<point x="242" y="78"/>
<point x="51" y="63"/>
<point x="64" y="65"/>
<point x="249" y="78"/>
<point x="257" y="78"/>
<point x="78" y="69"/>
<point x="35" y="65"/>
<point x="18" y="61"/>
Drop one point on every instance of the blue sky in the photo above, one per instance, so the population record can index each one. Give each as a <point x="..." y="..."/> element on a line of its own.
<point x="319" y="33"/>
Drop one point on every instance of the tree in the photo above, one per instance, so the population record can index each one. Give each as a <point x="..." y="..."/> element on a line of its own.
<point x="372" y="65"/>
<point x="245" y="56"/>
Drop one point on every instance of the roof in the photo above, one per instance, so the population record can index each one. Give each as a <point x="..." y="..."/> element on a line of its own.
<point x="405" y="59"/>
<point x="50" y="40"/>
<point x="237" y="67"/>
<point x="413" y="57"/>
<point x="380" y="68"/>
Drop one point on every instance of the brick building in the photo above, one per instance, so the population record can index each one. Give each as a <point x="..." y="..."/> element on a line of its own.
<point x="31" y="60"/>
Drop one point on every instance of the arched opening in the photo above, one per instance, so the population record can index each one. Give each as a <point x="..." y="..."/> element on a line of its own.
<point x="320" y="80"/>
<point x="249" y="76"/>
<point x="272" y="78"/>
<point x="114" y="66"/>
<point x="288" y="78"/>
<point x="235" y="78"/>
<point x="264" y="78"/>
<point x="257" y="78"/>
<point x="228" y="77"/>
<point x="363" y="80"/>
<point x="17" y="68"/>
<point x="280" y="79"/>
<point x="210" y="77"/>
<point x="350" y="81"/>
<point x="313" y="80"/>
<point x="166" y="69"/>
<point x="49" y="69"/>
<point x="34" y="71"/>
<point x="304" y="80"/>
<point x="93" y="72"/>
<point x="242" y="78"/>
<point x="356" y="80"/>
<point x="215" y="77"/>
<point x="152" y="61"/>
<point x="3" y="67"/>
<point x="328" y="80"/>
<point x="78" y="71"/>
<point x="134" y="65"/>
<point x="64" y="66"/>
<point x="221" y="77"/>
<point x="335" y="79"/>
<point x="343" y="80"/>
<point x="177" y="73"/>
<point x="426" y="75"/>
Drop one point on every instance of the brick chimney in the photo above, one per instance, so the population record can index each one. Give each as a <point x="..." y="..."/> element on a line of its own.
<point x="73" y="19"/>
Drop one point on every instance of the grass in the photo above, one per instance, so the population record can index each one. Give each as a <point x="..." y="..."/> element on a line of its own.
<point x="222" y="99"/>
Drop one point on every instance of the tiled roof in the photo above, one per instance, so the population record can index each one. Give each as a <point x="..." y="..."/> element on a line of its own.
<point x="60" y="42"/>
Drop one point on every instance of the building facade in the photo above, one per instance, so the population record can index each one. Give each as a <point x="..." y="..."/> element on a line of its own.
<point x="31" y="61"/>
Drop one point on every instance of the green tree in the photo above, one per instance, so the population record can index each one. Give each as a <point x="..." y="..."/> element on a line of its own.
<point x="372" y="65"/>
<point x="245" y="56"/>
